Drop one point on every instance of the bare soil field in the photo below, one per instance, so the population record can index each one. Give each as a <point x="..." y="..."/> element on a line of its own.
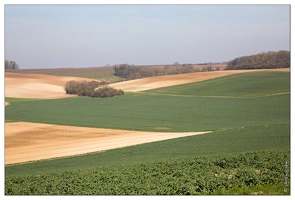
<point x="143" y="84"/>
<point x="34" y="141"/>
<point x="37" y="85"/>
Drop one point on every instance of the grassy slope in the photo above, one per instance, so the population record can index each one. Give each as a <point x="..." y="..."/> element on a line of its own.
<point x="252" y="84"/>
<point x="145" y="112"/>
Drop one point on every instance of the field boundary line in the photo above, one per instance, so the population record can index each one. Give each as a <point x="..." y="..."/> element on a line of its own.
<point x="195" y="96"/>
<point x="275" y="94"/>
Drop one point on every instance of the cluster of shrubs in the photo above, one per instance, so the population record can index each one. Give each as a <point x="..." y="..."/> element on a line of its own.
<point x="106" y="92"/>
<point x="90" y="89"/>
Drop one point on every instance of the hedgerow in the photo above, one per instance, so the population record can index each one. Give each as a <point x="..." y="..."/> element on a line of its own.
<point x="189" y="176"/>
<point x="90" y="89"/>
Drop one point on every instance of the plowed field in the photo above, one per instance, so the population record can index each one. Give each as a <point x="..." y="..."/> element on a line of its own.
<point x="33" y="141"/>
<point x="36" y="85"/>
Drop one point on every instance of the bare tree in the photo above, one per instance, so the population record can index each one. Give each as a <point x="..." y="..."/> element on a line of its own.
<point x="11" y="65"/>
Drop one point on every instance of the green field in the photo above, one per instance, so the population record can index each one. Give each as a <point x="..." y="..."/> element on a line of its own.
<point x="254" y="121"/>
<point x="252" y="84"/>
<point x="146" y="112"/>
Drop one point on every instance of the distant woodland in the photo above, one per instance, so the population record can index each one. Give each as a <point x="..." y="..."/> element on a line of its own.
<point x="268" y="60"/>
<point x="133" y="72"/>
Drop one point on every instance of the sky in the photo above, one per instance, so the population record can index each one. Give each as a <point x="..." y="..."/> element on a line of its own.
<point x="66" y="36"/>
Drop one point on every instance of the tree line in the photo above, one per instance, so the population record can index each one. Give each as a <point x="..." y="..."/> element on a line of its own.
<point x="11" y="65"/>
<point x="266" y="60"/>
<point x="134" y="72"/>
<point x="90" y="89"/>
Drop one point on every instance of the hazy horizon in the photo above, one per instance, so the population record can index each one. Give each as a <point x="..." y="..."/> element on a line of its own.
<point x="75" y="36"/>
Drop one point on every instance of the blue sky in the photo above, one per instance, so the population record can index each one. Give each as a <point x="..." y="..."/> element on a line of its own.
<point x="58" y="36"/>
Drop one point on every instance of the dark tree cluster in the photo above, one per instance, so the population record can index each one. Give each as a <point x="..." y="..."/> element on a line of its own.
<point x="268" y="60"/>
<point x="90" y="89"/>
<point x="11" y="65"/>
<point x="133" y="72"/>
<point x="209" y="69"/>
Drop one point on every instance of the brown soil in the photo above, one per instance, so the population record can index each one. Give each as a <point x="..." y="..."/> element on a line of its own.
<point x="34" y="141"/>
<point x="161" y="128"/>
<point x="36" y="85"/>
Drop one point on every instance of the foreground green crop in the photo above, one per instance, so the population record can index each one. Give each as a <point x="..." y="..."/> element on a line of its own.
<point x="189" y="176"/>
<point x="265" y="189"/>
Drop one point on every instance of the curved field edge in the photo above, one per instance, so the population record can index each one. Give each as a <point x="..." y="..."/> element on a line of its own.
<point x="253" y="138"/>
<point x="247" y="84"/>
<point x="149" y="112"/>
<point x="187" y="176"/>
<point x="26" y="141"/>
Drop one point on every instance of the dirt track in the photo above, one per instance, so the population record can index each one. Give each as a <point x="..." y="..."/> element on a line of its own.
<point x="33" y="141"/>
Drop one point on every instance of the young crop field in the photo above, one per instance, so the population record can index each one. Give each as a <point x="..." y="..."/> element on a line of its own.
<point x="248" y="114"/>
<point x="253" y="84"/>
<point x="147" y="112"/>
